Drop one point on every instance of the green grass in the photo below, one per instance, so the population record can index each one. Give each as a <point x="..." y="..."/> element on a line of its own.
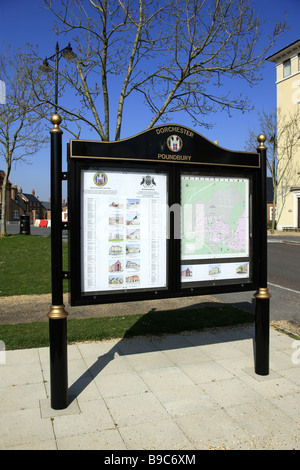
<point x="33" y="335"/>
<point x="25" y="269"/>
<point x="25" y="265"/>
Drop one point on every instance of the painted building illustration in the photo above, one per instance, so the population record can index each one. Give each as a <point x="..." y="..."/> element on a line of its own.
<point x="132" y="264"/>
<point x="135" y="220"/>
<point x="115" y="250"/>
<point x="242" y="269"/>
<point x="130" y="249"/>
<point x="116" y="220"/>
<point x="186" y="273"/>
<point x="132" y="279"/>
<point x="115" y="280"/>
<point x="133" y="235"/>
<point x="213" y="270"/>
<point x="116" y="267"/>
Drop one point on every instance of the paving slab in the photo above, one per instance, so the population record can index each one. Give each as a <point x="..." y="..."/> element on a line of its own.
<point x="186" y="392"/>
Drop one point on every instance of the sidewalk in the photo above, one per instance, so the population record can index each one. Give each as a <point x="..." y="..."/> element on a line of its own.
<point x="182" y="392"/>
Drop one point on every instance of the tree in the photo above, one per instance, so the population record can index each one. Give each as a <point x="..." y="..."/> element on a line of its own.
<point x="21" y="133"/>
<point x="282" y="133"/>
<point x="176" y="54"/>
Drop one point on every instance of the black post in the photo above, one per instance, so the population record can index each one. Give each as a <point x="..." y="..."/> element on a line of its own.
<point x="262" y="296"/>
<point x="57" y="315"/>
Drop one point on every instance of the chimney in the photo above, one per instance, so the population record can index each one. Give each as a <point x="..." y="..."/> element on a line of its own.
<point x="13" y="192"/>
<point x="33" y="192"/>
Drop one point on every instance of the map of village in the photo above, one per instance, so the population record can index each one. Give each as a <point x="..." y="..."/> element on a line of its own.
<point x="215" y="217"/>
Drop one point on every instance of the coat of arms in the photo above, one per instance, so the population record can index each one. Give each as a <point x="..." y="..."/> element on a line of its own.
<point x="148" y="182"/>
<point x="174" y="143"/>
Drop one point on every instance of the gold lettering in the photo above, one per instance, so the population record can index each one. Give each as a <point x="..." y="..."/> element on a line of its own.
<point x="165" y="156"/>
<point x="179" y="130"/>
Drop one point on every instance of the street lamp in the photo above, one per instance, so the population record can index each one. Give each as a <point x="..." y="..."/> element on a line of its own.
<point x="57" y="315"/>
<point x="68" y="54"/>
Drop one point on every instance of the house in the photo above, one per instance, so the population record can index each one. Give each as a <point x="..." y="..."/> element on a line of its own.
<point x="19" y="203"/>
<point x="287" y="61"/>
<point x="35" y="208"/>
<point x="15" y="204"/>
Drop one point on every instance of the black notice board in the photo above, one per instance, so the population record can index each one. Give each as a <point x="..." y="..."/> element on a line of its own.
<point x="162" y="214"/>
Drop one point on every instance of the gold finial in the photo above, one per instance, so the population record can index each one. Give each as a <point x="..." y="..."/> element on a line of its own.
<point x="56" y="120"/>
<point x="57" y="312"/>
<point x="261" y="139"/>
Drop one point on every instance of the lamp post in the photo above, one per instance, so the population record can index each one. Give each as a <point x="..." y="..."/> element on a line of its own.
<point x="68" y="54"/>
<point x="57" y="315"/>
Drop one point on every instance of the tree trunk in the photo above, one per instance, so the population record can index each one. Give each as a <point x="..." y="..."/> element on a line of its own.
<point x="3" y="205"/>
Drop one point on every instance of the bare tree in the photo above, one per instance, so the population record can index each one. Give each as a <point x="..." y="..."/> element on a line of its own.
<point x="21" y="133"/>
<point x="282" y="133"/>
<point x="177" y="54"/>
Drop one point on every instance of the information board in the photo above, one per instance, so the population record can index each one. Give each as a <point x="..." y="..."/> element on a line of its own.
<point x="162" y="214"/>
<point x="123" y="230"/>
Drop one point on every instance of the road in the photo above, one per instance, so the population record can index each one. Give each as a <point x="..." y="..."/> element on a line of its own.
<point x="14" y="228"/>
<point x="284" y="265"/>
<point x="283" y="281"/>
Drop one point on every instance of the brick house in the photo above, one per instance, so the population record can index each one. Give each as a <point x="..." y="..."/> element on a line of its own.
<point x="35" y="208"/>
<point x="15" y="204"/>
<point x="19" y="203"/>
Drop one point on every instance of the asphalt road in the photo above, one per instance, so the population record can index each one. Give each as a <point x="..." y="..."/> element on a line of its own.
<point x="39" y="231"/>
<point x="283" y="281"/>
<point x="284" y="265"/>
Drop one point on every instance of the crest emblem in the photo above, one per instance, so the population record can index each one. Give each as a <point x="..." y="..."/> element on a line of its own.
<point x="100" y="179"/>
<point x="148" y="182"/>
<point x="174" y="143"/>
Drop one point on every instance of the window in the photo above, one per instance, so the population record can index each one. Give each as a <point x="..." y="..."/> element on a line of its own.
<point x="15" y="214"/>
<point x="286" y="68"/>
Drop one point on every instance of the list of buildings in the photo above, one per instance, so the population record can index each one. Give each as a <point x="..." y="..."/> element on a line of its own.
<point x="123" y="230"/>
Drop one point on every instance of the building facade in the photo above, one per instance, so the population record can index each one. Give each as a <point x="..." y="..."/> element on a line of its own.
<point x="15" y="205"/>
<point x="287" y="62"/>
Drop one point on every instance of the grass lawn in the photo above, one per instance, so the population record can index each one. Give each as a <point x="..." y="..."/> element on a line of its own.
<point x="25" y="265"/>
<point x="25" y="269"/>
<point x="33" y="335"/>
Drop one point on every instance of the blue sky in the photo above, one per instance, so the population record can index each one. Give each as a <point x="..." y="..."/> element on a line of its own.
<point x="24" y="22"/>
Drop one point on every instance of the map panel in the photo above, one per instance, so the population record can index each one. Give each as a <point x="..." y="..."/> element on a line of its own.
<point x="215" y="217"/>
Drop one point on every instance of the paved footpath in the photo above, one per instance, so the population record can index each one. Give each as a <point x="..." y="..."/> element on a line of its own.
<point x="179" y="393"/>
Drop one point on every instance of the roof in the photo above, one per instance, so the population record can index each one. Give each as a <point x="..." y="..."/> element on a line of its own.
<point x="31" y="197"/>
<point x="2" y="176"/>
<point x="47" y="205"/>
<point x="285" y="52"/>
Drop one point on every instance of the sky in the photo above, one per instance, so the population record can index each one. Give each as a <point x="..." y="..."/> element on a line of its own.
<point x="24" y="22"/>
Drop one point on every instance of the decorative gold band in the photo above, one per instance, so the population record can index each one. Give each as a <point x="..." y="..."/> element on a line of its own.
<point x="56" y="120"/>
<point x="57" y="312"/>
<point x="262" y="293"/>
